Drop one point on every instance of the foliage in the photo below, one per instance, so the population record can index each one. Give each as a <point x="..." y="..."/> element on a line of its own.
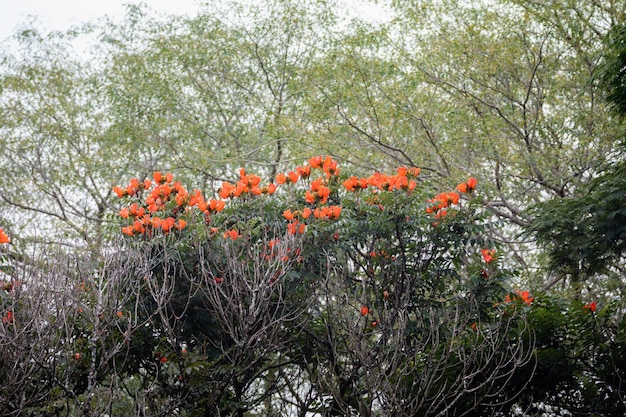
<point x="585" y="235"/>
<point x="314" y="291"/>
<point x="380" y="299"/>
<point x="503" y="90"/>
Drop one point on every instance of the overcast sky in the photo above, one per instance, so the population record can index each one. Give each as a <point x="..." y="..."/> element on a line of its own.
<point x="61" y="14"/>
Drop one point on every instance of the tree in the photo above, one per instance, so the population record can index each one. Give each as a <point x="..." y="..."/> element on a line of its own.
<point x="584" y="234"/>
<point x="357" y="290"/>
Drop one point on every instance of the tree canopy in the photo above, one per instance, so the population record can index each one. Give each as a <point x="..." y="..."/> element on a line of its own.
<point x="288" y="209"/>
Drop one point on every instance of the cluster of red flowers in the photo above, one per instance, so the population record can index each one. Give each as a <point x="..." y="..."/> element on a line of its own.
<point x="3" y="237"/>
<point x="402" y="180"/>
<point x="318" y="192"/>
<point x="523" y="296"/>
<point x="165" y="197"/>
<point x="292" y="177"/>
<point x="316" y="196"/>
<point x="444" y="200"/>
<point x="247" y="184"/>
<point x="590" y="306"/>
<point x="468" y="186"/>
<point x="8" y="318"/>
<point x="166" y="200"/>
<point x="328" y="165"/>
<point x="488" y="255"/>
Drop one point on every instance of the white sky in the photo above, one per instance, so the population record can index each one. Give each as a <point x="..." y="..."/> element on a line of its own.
<point x="61" y="14"/>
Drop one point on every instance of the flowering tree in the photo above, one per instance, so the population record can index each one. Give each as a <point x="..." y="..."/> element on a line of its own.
<point x="320" y="294"/>
<point x="374" y="293"/>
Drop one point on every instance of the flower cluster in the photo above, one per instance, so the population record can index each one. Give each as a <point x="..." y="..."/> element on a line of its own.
<point x="8" y="318"/>
<point x="444" y="200"/>
<point x="590" y="306"/>
<point x="248" y="184"/>
<point x="316" y="196"/>
<point x="165" y="201"/>
<point x="488" y="255"/>
<point x="3" y="237"/>
<point x="523" y="296"/>
<point x="468" y="186"/>
<point x="402" y="180"/>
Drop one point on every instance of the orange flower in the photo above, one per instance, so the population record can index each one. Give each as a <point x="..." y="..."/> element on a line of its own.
<point x="217" y="205"/>
<point x="520" y="295"/>
<point x="8" y="318"/>
<point x="181" y="224"/>
<point x="270" y="189"/>
<point x="138" y="227"/>
<point x="452" y="198"/>
<point x="167" y="224"/>
<point x="525" y="297"/>
<point x="134" y="182"/>
<point x="317" y="185"/>
<point x="364" y="310"/>
<point x="119" y="314"/>
<point x="120" y="191"/>
<point x="158" y="177"/>
<point x="306" y="213"/>
<point x="3" y="237"/>
<point x="231" y="234"/>
<point x="227" y="190"/>
<point x="315" y="162"/>
<point x="293" y="177"/>
<point x="488" y="254"/>
<point x="240" y="188"/>
<point x="467" y="186"/>
<point x="351" y="184"/>
<point x="288" y="214"/>
<point x="323" y="194"/>
<point x="163" y="359"/>
<point x="330" y="166"/>
<point x="304" y="171"/>
<point x="281" y="179"/>
<point x="591" y="306"/>
<point x="195" y="198"/>
<point x="295" y="227"/>
<point x="181" y="198"/>
<point x="334" y="212"/>
<point x="203" y="206"/>
<point x="128" y="230"/>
